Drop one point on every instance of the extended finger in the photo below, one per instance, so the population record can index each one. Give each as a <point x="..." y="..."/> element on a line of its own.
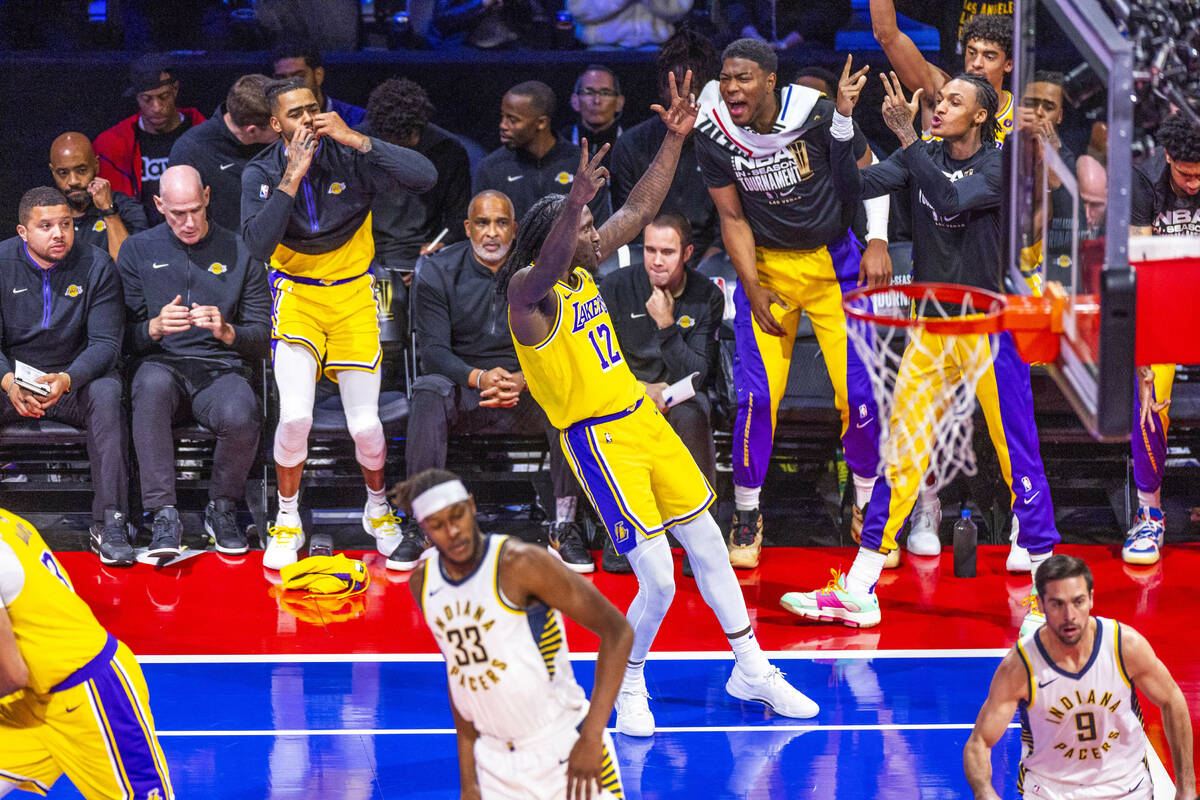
<point x="600" y="154"/>
<point x="889" y="93"/>
<point x="687" y="84"/>
<point x="846" y="66"/>
<point x="583" y="154"/>
<point x="916" y="98"/>
<point x="674" y="86"/>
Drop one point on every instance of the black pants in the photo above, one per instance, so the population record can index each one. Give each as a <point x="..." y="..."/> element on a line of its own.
<point x="691" y="419"/>
<point x="98" y="407"/>
<point x="227" y="407"/>
<point x="439" y="406"/>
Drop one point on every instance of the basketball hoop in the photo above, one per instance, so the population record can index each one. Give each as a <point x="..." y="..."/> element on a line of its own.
<point x="936" y="340"/>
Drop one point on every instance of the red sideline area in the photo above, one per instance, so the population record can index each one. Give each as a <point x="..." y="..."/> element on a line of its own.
<point x="214" y="605"/>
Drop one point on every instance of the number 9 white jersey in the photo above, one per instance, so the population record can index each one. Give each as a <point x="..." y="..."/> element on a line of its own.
<point x="1082" y="729"/>
<point x="508" y="667"/>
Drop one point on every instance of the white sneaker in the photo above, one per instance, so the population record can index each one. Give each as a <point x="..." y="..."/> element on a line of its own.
<point x="772" y="691"/>
<point x="633" y="713"/>
<point x="1018" y="557"/>
<point x="385" y="528"/>
<point x="923" y="537"/>
<point x="1034" y="618"/>
<point x="282" y="545"/>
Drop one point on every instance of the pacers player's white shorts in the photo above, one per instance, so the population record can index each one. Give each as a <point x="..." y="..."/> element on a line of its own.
<point x="537" y="769"/>
<point x="1138" y="787"/>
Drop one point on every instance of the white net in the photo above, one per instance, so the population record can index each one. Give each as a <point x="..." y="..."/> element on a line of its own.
<point x="924" y="381"/>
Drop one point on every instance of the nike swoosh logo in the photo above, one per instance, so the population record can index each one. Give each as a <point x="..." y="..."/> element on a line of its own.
<point x="432" y="592"/>
<point x="18" y="291"/>
<point x="72" y="708"/>
<point x="512" y="178"/>
<point x="862" y="425"/>
<point x="563" y="760"/>
<point x="226" y="166"/>
<point x="159" y="266"/>
<point x="636" y="316"/>
<point x="1029" y="499"/>
<point x="1047" y="683"/>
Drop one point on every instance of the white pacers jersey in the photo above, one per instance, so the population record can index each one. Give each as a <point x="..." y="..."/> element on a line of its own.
<point x="1083" y="729"/>
<point x="508" y="667"/>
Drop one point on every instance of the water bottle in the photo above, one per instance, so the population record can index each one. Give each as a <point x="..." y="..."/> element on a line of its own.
<point x="966" y="537"/>
<point x="320" y="544"/>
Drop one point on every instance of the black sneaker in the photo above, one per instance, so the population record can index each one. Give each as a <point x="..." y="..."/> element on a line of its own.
<point x="565" y="538"/>
<point x="412" y="544"/>
<point x="611" y="560"/>
<point x="110" y="540"/>
<point x="166" y="535"/>
<point x="220" y="523"/>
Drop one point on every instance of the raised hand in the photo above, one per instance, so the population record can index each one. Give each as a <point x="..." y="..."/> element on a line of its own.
<point x="300" y="152"/>
<point x="101" y="191"/>
<point x="591" y="175"/>
<point x="850" y="87"/>
<point x="331" y="124"/>
<point x="899" y="113"/>
<point x="681" y="116"/>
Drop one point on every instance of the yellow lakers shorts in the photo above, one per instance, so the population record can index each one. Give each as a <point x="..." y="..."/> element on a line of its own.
<point x="98" y="732"/>
<point x="339" y="324"/>
<point x="637" y="473"/>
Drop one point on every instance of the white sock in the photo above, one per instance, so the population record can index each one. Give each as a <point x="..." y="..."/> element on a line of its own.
<point x="927" y="496"/>
<point x="745" y="498"/>
<point x="635" y="677"/>
<point x="1150" y="499"/>
<point x="749" y="655"/>
<point x="377" y="504"/>
<point x="289" y="511"/>
<point x="865" y="571"/>
<point x="564" y="508"/>
<point x="862" y="490"/>
<point x="1036" y="560"/>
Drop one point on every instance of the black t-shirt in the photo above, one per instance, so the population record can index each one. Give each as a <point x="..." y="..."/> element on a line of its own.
<point x="788" y="196"/>
<point x="1155" y="204"/>
<point x="155" y="149"/>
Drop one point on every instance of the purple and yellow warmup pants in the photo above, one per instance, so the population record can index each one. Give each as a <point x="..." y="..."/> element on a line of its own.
<point x="1010" y="422"/>
<point x="1150" y="446"/>
<point x="813" y="282"/>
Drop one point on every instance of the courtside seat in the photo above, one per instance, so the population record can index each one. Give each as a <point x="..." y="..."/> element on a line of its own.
<point x="329" y="420"/>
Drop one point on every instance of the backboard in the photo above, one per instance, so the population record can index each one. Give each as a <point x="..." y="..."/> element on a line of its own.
<point x="1070" y="198"/>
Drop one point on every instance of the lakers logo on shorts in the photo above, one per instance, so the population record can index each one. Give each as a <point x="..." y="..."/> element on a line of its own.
<point x="217" y="268"/>
<point x="620" y="532"/>
<point x="74" y="290"/>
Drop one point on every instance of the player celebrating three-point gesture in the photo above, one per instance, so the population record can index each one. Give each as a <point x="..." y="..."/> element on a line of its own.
<point x="634" y="468"/>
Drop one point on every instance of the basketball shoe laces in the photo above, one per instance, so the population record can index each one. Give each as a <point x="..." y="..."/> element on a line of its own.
<point x="387" y="519"/>
<point x="283" y="534"/>
<point x="1031" y="602"/>
<point x="835" y="582"/>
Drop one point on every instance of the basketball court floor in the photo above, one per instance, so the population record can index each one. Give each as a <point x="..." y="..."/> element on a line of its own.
<point x="260" y="694"/>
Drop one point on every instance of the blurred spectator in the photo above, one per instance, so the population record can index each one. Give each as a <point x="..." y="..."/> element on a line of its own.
<point x="487" y="24"/>
<point x="296" y="59"/>
<point x="1042" y="101"/>
<point x="818" y="78"/>
<point x="57" y="25"/>
<point x="404" y="223"/>
<point x="220" y="147"/>
<point x="471" y="381"/>
<point x="1093" y="193"/>
<point x="531" y="161"/>
<point x="134" y="152"/>
<point x="60" y="306"/>
<point x="666" y="317"/>
<point x="197" y="312"/>
<point x="103" y="218"/>
<point x="330" y="25"/>
<point x="626" y="23"/>
<point x="787" y="24"/>
<point x="598" y="100"/>
<point x="636" y="148"/>
<point x="949" y="17"/>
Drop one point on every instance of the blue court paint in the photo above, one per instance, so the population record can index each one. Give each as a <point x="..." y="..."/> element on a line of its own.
<point x="218" y="721"/>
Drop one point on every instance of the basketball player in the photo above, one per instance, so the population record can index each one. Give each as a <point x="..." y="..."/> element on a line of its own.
<point x="72" y="697"/>
<point x="1165" y="201"/>
<point x="987" y="41"/>
<point x="954" y="184"/>
<point x="1072" y="681"/>
<point x="495" y="605"/>
<point x="765" y="158"/>
<point x="306" y="209"/>
<point x="634" y="468"/>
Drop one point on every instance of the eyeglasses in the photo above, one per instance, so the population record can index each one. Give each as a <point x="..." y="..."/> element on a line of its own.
<point x="605" y="93"/>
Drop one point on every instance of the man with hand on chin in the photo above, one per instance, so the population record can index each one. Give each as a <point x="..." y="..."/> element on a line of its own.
<point x="61" y="310"/>
<point x="103" y="216"/>
<point x="197" y="319"/>
<point x="306" y="209"/>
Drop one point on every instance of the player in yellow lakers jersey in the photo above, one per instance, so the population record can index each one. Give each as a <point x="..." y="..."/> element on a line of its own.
<point x="1072" y="683"/>
<point x="633" y="467"/>
<point x="306" y="210"/>
<point x="72" y="697"/>
<point x="495" y="606"/>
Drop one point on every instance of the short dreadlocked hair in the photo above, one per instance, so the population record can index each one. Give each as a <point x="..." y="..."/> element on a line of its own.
<point x="995" y="28"/>
<point x="531" y="232"/>
<point x="1180" y="138"/>
<point x="986" y="96"/>
<point x="397" y="109"/>
<point x="686" y="50"/>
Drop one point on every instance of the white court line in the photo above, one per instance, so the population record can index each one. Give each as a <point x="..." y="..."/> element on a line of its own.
<point x="681" y="655"/>
<point x="934" y="726"/>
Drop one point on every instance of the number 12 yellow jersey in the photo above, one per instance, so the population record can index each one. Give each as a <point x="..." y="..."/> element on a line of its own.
<point x="578" y="372"/>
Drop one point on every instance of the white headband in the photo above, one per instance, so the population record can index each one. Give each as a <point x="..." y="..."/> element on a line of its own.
<point x="435" y="498"/>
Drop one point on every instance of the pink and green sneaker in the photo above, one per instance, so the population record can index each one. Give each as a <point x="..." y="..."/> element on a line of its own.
<point x="835" y="603"/>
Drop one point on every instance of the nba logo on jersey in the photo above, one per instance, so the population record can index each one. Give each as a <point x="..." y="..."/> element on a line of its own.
<point x="621" y="532"/>
<point x="1026" y="484"/>
<point x="862" y="411"/>
<point x="263" y="191"/>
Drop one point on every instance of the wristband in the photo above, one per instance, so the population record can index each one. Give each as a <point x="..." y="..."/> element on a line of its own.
<point x="878" y="209"/>
<point x="107" y="212"/>
<point x="842" y="128"/>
